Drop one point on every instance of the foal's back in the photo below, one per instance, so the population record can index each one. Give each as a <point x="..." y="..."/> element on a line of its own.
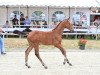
<point x="41" y="37"/>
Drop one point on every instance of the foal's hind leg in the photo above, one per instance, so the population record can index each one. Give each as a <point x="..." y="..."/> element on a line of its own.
<point x="26" y="55"/>
<point x="38" y="56"/>
<point x="64" y="53"/>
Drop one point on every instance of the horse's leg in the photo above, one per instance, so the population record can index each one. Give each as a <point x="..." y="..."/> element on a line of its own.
<point x="38" y="56"/>
<point x="64" y="53"/>
<point x="26" y="55"/>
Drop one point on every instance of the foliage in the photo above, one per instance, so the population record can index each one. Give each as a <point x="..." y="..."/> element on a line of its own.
<point x="82" y="42"/>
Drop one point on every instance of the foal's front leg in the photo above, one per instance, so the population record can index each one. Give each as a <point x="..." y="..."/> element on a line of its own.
<point x="38" y="56"/>
<point x="64" y="53"/>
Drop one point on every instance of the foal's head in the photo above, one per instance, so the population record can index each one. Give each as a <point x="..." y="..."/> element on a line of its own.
<point x="68" y="25"/>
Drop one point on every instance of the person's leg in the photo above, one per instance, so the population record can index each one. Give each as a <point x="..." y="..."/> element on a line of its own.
<point x="1" y="46"/>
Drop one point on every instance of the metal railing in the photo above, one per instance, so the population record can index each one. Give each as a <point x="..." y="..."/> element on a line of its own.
<point x="78" y="30"/>
<point x="41" y="27"/>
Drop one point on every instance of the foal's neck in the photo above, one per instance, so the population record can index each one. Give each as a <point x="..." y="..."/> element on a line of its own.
<point x="59" y="29"/>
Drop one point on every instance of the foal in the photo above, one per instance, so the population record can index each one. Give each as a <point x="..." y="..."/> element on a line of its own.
<point x="54" y="37"/>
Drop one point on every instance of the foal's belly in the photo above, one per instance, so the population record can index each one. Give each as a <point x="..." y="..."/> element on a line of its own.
<point x="46" y="40"/>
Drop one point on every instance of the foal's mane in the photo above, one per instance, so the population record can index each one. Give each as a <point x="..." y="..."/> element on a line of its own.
<point x="57" y="25"/>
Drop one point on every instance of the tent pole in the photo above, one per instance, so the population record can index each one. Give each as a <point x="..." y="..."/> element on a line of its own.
<point x="47" y="16"/>
<point x="7" y="13"/>
<point x="27" y="11"/>
<point x="69" y="11"/>
<point x="75" y="25"/>
<point x="19" y="16"/>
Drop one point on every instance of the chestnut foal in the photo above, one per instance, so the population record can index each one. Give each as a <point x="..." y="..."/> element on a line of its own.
<point x="54" y="37"/>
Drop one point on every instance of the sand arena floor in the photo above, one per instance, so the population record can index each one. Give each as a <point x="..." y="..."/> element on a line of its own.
<point x="85" y="62"/>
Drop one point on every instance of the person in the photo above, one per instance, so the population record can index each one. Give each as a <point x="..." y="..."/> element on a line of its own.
<point x="93" y="30"/>
<point x="22" y="19"/>
<point x="95" y="17"/>
<point x="1" y="43"/>
<point x="45" y="23"/>
<point x="96" y="22"/>
<point x="15" y="21"/>
<point x="27" y="21"/>
<point x="6" y="25"/>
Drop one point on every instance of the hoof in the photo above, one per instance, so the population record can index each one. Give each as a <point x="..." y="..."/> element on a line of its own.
<point x="70" y="64"/>
<point x="46" y="67"/>
<point x="64" y="63"/>
<point x="28" y="66"/>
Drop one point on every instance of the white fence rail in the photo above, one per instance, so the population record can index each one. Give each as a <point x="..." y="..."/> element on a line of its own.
<point x="78" y="30"/>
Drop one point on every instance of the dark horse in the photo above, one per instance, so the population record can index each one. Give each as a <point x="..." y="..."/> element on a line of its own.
<point x="54" y="37"/>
